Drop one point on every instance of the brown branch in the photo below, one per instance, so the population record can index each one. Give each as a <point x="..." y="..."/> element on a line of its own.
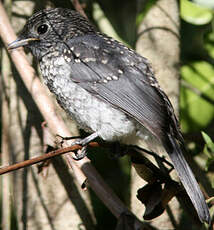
<point x="79" y="8"/>
<point x="44" y="157"/>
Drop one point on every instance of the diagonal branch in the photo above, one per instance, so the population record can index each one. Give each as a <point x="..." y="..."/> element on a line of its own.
<point x="35" y="160"/>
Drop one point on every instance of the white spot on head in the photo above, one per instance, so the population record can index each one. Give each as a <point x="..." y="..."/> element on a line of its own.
<point x="105" y="81"/>
<point x="77" y="54"/>
<point x="109" y="42"/>
<point x="96" y="47"/>
<point x="72" y="48"/>
<point x="121" y="52"/>
<point x="120" y="71"/>
<point x="65" y="50"/>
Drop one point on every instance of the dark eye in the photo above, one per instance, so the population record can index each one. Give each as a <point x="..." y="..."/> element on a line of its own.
<point x="42" y="29"/>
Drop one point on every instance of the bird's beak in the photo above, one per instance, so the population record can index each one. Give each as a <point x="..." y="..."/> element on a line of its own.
<point x="20" y="42"/>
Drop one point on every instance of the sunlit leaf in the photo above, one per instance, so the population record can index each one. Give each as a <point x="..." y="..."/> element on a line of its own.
<point x="197" y="107"/>
<point x="205" y="3"/>
<point x="195" y="14"/>
<point x="208" y="142"/>
<point x="208" y="150"/>
<point x="209" y="43"/>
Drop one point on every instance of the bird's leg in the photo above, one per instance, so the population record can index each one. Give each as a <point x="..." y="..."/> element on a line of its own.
<point x="87" y="139"/>
<point x="83" y="142"/>
<point x="81" y="153"/>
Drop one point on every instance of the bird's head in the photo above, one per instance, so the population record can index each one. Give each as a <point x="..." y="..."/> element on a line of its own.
<point x="50" y="28"/>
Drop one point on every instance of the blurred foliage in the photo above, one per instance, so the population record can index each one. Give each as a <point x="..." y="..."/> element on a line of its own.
<point x="209" y="151"/>
<point x="196" y="108"/>
<point x="195" y="14"/>
<point x="197" y="42"/>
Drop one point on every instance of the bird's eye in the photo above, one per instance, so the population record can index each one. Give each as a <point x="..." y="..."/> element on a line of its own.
<point x="42" y="29"/>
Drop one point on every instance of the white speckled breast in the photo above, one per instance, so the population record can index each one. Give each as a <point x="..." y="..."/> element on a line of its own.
<point x="90" y="113"/>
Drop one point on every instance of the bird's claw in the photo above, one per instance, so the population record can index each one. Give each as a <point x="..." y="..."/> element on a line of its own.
<point x="80" y="153"/>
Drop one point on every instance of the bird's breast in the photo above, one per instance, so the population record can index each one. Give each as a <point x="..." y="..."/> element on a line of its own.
<point x="91" y="113"/>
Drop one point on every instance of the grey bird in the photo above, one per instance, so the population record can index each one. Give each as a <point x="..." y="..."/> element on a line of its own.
<point x="107" y="88"/>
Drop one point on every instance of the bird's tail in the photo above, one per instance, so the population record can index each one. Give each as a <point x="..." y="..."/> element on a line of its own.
<point x="188" y="180"/>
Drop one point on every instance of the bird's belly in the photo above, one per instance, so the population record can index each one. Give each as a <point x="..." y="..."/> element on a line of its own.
<point x="94" y="115"/>
<point x="91" y="113"/>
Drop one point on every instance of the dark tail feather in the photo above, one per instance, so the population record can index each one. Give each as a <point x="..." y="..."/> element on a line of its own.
<point x="189" y="182"/>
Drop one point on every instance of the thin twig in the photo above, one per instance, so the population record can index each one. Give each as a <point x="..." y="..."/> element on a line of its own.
<point x="35" y="160"/>
<point x="163" y="159"/>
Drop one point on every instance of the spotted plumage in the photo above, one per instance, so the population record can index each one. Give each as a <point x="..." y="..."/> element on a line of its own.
<point x="108" y="88"/>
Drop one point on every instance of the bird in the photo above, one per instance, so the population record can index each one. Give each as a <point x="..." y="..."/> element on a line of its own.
<point x="107" y="88"/>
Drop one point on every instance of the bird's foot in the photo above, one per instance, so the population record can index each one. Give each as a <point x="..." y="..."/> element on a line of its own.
<point x="81" y="153"/>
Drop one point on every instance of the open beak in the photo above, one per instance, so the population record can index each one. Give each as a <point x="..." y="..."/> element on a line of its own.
<point x="20" y="42"/>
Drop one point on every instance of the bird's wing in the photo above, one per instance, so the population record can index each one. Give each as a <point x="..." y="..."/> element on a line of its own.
<point x="118" y="75"/>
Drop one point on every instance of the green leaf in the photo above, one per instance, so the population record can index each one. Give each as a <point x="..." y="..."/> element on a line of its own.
<point x="208" y="141"/>
<point x="209" y="162"/>
<point x="209" y="43"/>
<point x="197" y="101"/>
<point x="210" y="200"/>
<point x="208" y="150"/>
<point x="195" y="14"/>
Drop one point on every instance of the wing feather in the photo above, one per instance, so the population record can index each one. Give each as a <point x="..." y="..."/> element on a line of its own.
<point x="118" y="75"/>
